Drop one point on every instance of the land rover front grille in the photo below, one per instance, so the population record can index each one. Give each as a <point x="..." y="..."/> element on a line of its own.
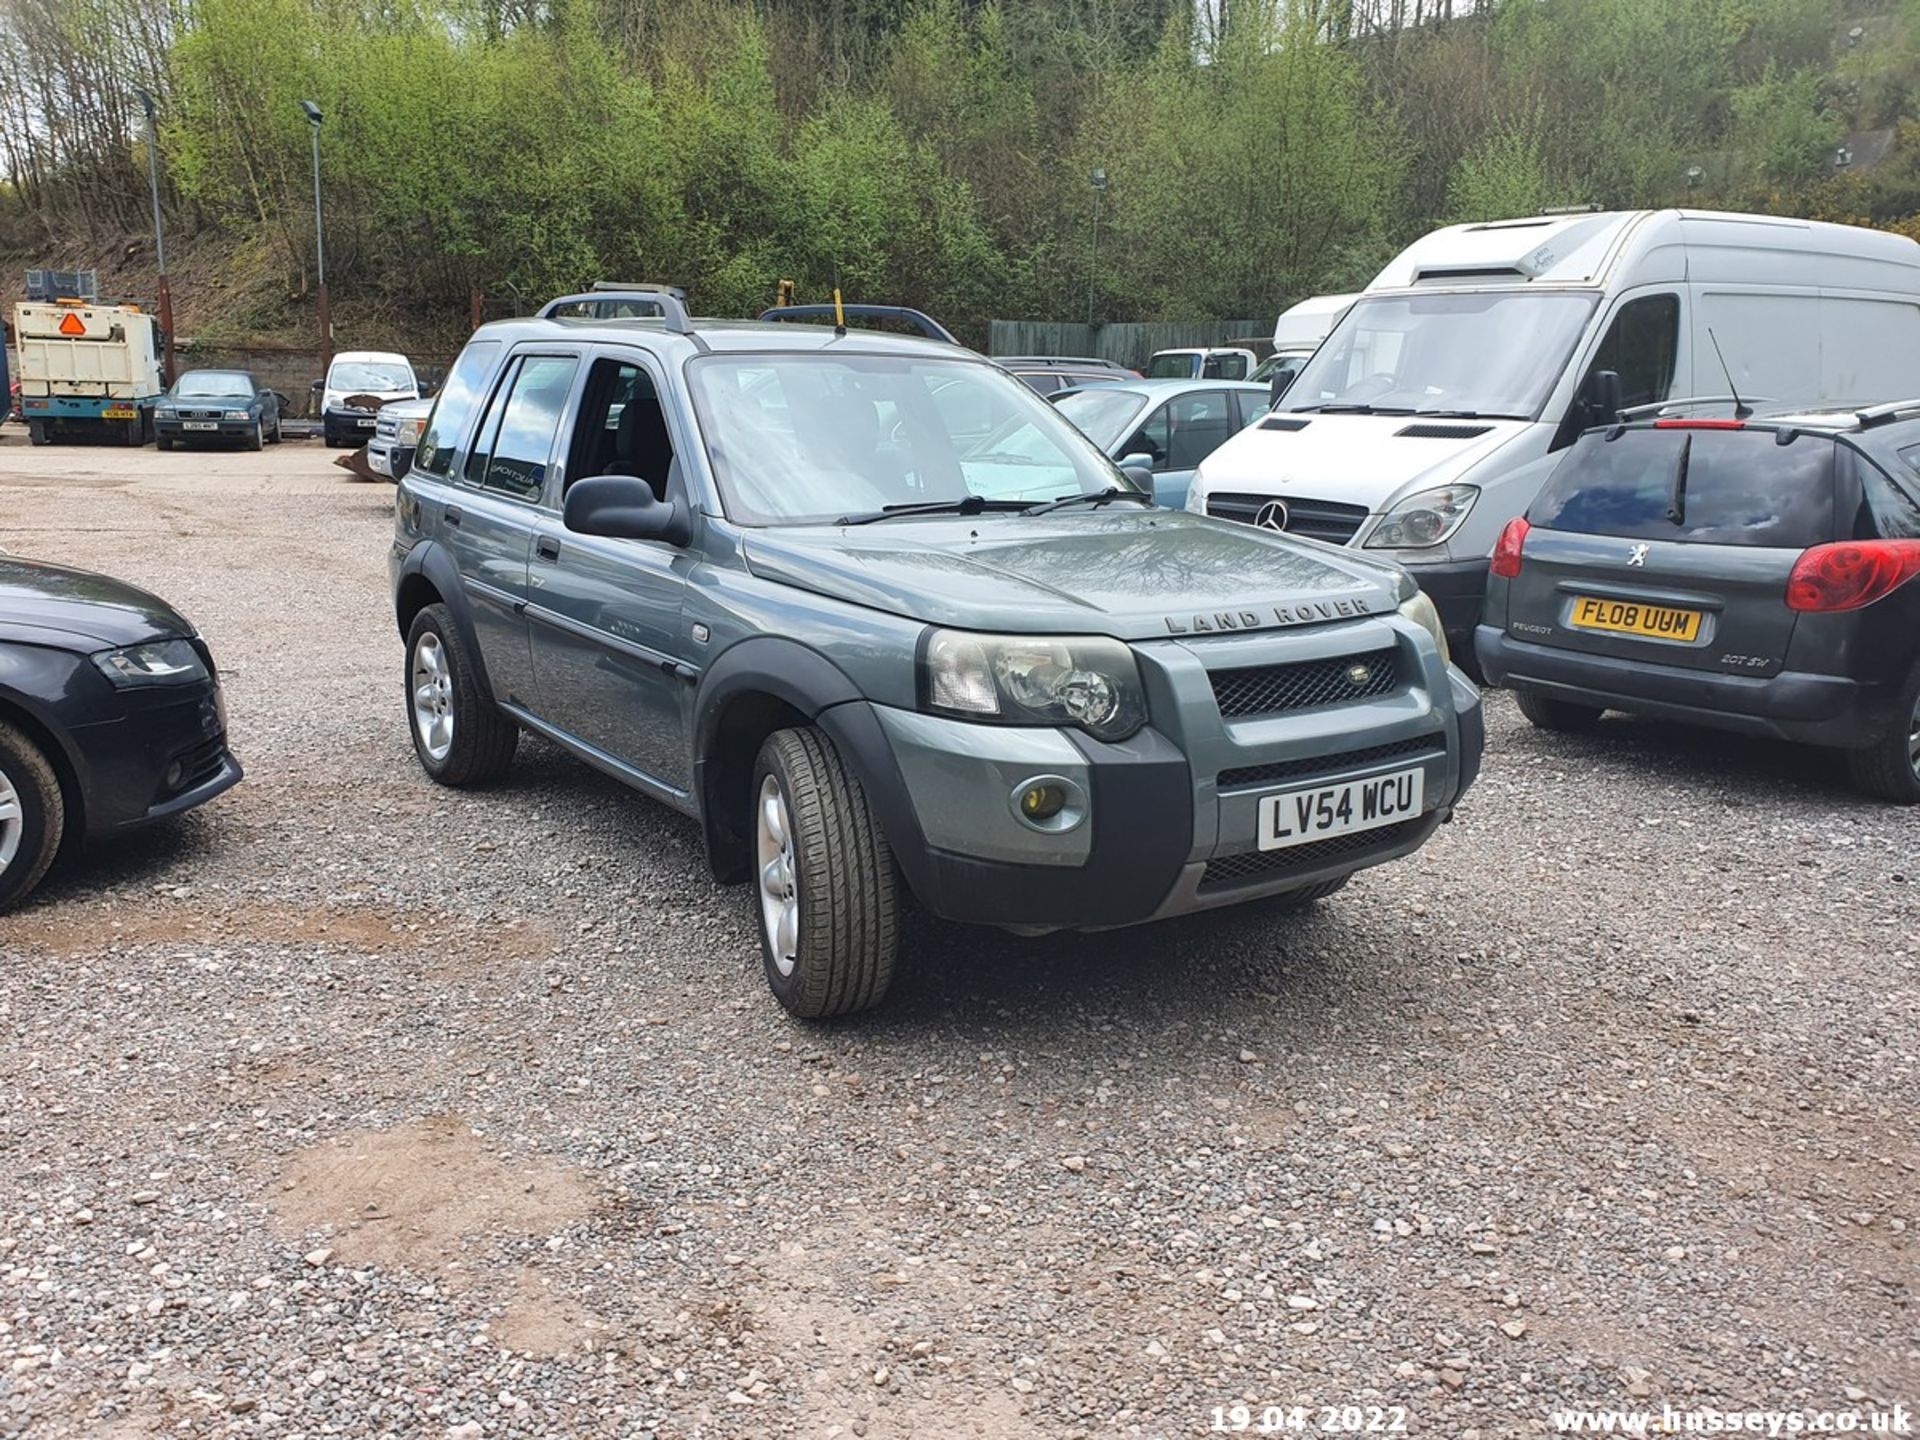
<point x="1425" y="746"/>
<point x="1327" y="520"/>
<point x="1274" y="689"/>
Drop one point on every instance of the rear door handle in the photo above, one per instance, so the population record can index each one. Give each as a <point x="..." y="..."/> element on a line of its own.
<point x="547" y="548"/>
<point x="453" y="514"/>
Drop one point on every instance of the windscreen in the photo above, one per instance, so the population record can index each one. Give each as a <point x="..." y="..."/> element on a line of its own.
<point x="1727" y="487"/>
<point x="807" y="438"/>
<point x="353" y="376"/>
<point x="1172" y="367"/>
<point x="214" y="385"/>
<point x="1493" y="353"/>
<point x="1103" y="416"/>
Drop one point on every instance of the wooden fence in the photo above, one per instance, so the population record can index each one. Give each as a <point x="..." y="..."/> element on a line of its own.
<point x="1129" y="344"/>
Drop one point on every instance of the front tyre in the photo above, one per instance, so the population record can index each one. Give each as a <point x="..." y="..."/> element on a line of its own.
<point x="32" y="816"/>
<point x="1889" y="769"/>
<point x="459" y="734"/>
<point x="829" y="901"/>
<point x="1548" y="713"/>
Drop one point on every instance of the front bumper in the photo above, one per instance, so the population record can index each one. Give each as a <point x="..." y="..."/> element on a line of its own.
<point x="172" y="428"/>
<point x="165" y="753"/>
<point x="1172" y="822"/>
<point x="1808" y="709"/>
<point x="341" y="425"/>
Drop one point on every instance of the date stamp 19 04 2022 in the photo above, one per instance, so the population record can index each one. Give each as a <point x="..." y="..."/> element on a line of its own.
<point x="1308" y="1419"/>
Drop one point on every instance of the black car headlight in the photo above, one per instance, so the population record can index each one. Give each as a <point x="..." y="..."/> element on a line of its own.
<point x="1088" y="681"/>
<point x="159" y="662"/>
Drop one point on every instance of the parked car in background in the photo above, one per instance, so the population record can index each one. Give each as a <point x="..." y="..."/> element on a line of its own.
<point x="803" y="589"/>
<point x="1050" y="374"/>
<point x="1439" y="403"/>
<point x="1760" y="576"/>
<point x="396" y="433"/>
<point x="211" y="405"/>
<point x="1296" y="335"/>
<point x="111" y="716"/>
<point x="1220" y="362"/>
<point x="357" y="384"/>
<point x="1166" y="426"/>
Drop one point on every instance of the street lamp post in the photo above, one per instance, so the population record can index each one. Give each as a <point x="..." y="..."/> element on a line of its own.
<point x="1099" y="181"/>
<point x="314" y="119"/>
<point x="159" y="236"/>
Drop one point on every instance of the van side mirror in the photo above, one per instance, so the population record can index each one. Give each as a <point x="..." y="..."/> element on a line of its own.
<point x="1603" y="398"/>
<point x="624" y="507"/>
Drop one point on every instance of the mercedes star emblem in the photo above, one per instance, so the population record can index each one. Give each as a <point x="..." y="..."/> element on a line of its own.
<point x="1272" y="515"/>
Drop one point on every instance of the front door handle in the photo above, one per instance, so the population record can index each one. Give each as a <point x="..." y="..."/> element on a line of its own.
<point x="453" y="514"/>
<point x="547" y="548"/>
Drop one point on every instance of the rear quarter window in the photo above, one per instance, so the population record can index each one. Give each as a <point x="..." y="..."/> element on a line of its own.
<point x="1741" y="488"/>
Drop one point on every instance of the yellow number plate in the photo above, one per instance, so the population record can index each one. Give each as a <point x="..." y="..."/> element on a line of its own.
<point x="1630" y="617"/>
<point x="118" y="414"/>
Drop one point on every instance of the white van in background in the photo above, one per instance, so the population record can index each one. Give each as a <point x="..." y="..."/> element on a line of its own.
<point x="1432" y="413"/>
<point x="355" y="378"/>
<point x="1296" y="335"/>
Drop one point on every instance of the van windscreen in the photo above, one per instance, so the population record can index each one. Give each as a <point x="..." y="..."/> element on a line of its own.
<point x="1726" y="487"/>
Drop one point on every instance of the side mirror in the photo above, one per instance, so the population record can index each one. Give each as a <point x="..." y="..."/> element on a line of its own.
<point x="285" y="402"/>
<point x="1139" y="469"/>
<point x="1603" y="398"/>
<point x="624" y="507"/>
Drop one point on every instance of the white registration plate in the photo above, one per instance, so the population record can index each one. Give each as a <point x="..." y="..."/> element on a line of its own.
<point x="365" y="423"/>
<point x="200" y="424"/>
<point x="1294" y="817"/>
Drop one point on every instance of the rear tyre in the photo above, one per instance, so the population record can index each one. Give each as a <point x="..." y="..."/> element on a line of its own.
<point x="257" y="440"/>
<point x="1889" y="769"/>
<point x="458" y="732"/>
<point x="37" y="432"/>
<point x="829" y="899"/>
<point x="275" y="436"/>
<point x="134" y="433"/>
<point x="1550" y="714"/>
<point x="32" y="816"/>
<point x="1305" y="897"/>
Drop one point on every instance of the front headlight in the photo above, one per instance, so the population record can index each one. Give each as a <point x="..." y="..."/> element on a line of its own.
<point x="1088" y="681"/>
<point x="1424" y="518"/>
<point x="1197" y="494"/>
<point x="1421" y="612"/>
<point x="160" y="662"/>
<point x="410" y="431"/>
<point x="233" y="415"/>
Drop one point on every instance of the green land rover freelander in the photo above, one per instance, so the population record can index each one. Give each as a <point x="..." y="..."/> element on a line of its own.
<point x="887" y="625"/>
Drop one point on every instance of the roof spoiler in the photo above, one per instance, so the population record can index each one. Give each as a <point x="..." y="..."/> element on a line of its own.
<point x="918" y="319"/>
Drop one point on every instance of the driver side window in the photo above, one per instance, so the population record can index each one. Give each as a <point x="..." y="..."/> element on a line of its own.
<point x="1640" y="347"/>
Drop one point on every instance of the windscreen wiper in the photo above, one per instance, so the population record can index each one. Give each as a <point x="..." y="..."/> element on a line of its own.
<point x="1341" y="407"/>
<point x="1465" y="415"/>
<point x="965" y="505"/>
<point x="1091" y="497"/>
<point x="1677" y="497"/>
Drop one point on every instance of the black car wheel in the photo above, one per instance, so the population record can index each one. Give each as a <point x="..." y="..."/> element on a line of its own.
<point x="258" y="439"/>
<point x="1551" y="714"/>
<point x="32" y="817"/>
<point x="1889" y="769"/>
<point x="274" y="437"/>
<point x="458" y="732"/>
<point x="829" y="897"/>
<point x="163" y="442"/>
<point x="37" y="432"/>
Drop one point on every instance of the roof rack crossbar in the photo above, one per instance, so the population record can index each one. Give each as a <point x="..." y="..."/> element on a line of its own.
<point x="906" y="315"/>
<point x="665" y="302"/>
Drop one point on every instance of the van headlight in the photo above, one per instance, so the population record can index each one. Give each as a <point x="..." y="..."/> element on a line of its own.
<point x="1426" y="517"/>
<point x="1088" y="681"/>
<point x="1420" y="610"/>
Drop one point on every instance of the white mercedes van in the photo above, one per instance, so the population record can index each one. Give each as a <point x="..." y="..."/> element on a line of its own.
<point x="1432" y="413"/>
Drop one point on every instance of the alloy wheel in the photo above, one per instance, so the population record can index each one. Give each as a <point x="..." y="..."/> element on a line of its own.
<point x="13" y="821"/>
<point x="779" y="886"/>
<point x="433" y="696"/>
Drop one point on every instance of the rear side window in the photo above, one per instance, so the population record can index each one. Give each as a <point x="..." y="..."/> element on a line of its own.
<point x="1736" y="487"/>
<point x="523" y="445"/>
<point x="454" y="409"/>
<point x="1892" y="513"/>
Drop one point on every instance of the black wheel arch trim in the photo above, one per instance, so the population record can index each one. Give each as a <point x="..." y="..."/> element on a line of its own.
<point x="431" y="562"/>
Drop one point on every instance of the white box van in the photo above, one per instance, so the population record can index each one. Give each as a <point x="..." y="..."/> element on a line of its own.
<point x="355" y="378"/>
<point x="1432" y="413"/>
<point x="1296" y="335"/>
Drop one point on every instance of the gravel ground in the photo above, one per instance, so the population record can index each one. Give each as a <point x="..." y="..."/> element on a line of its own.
<point x="354" y="1106"/>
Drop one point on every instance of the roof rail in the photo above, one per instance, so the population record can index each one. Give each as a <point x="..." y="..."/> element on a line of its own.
<point x="641" y="287"/>
<point x="663" y="303"/>
<point x="918" y="319"/>
<point x="1888" y="413"/>
<point x="1087" y="361"/>
<point x="1661" y="407"/>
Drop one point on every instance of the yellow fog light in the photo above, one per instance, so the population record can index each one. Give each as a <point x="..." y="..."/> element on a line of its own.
<point x="1042" y="801"/>
<point x="1051" y="804"/>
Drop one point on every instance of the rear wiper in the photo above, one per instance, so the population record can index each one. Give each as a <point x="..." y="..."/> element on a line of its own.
<point x="966" y="505"/>
<point x="1092" y="497"/>
<point x="1677" y="497"/>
